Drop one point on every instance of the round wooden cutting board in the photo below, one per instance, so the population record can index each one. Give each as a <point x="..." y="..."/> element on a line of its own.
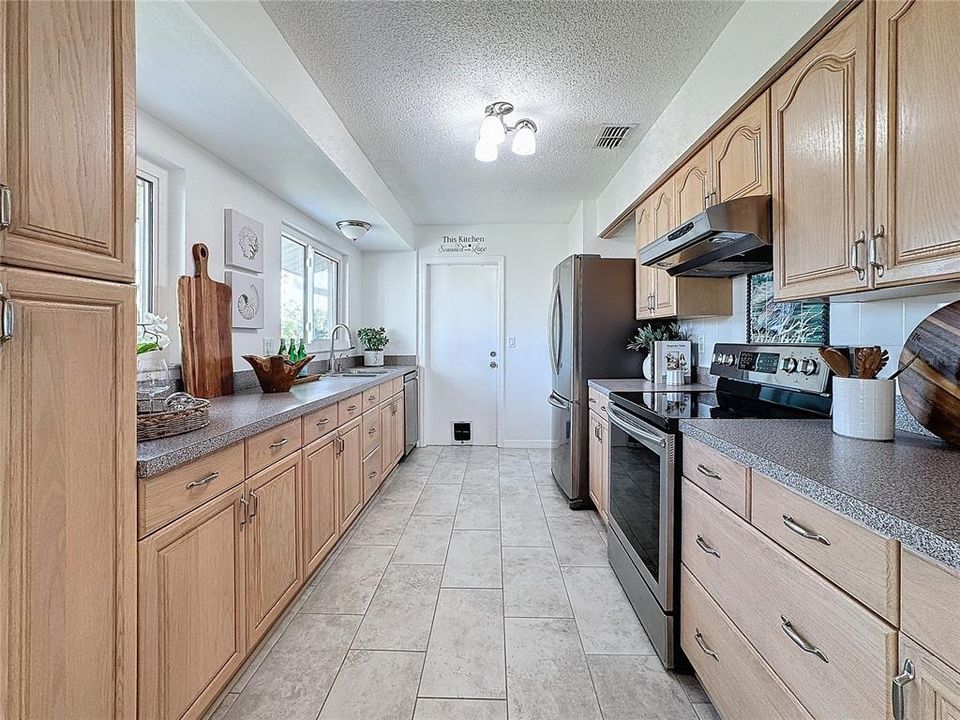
<point x="931" y="385"/>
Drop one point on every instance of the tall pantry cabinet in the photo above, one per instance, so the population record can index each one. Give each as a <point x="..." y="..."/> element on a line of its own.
<point x="67" y="361"/>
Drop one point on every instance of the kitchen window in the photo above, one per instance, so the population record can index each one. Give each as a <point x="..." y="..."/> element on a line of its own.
<point x="146" y="240"/>
<point x="310" y="288"/>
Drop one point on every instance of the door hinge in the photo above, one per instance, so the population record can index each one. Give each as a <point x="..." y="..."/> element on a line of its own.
<point x="6" y="317"/>
<point x="6" y="207"/>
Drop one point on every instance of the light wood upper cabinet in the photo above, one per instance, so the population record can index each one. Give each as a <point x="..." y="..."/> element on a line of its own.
<point x="273" y="544"/>
<point x="192" y="624"/>
<point x="741" y="154"/>
<point x="692" y="187"/>
<point x="664" y="220"/>
<point x="820" y="130"/>
<point x="350" y="474"/>
<point x="933" y="692"/>
<point x="646" y="279"/>
<point x="917" y="186"/>
<point x="68" y="500"/>
<point x="68" y="152"/>
<point x="321" y="527"/>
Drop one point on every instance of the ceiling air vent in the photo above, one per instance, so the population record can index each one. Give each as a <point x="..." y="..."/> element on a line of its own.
<point x="612" y="136"/>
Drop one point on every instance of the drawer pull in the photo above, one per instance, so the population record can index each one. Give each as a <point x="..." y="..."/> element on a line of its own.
<point x="351" y="408"/>
<point x="802" y="531"/>
<point x="706" y="548"/>
<point x="708" y="472"/>
<point x="703" y="646"/>
<point x="904" y="678"/>
<point x="373" y="474"/>
<point x="799" y="641"/>
<point x="203" y="481"/>
<point x="323" y="422"/>
<point x="279" y="443"/>
<point x="371" y="398"/>
<point x="372" y="430"/>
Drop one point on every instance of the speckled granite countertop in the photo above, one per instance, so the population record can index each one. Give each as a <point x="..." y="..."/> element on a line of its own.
<point x="235" y="417"/>
<point x="908" y="489"/>
<point x="641" y="385"/>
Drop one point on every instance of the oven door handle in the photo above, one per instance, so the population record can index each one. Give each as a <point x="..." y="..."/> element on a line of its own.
<point x="617" y="418"/>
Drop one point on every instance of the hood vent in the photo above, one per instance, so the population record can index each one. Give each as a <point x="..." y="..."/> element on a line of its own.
<point x="726" y="240"/>
<point x="612" y="136"/>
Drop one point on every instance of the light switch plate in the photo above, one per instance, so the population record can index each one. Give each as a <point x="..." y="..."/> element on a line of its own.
<point x="268" y="346"/>
<point x="511" y="342"/>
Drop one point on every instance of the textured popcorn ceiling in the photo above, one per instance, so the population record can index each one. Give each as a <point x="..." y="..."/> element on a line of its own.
<point x="410" y="81"/>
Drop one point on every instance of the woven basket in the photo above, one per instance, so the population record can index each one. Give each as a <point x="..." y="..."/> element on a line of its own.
<point x="184" y="413"/>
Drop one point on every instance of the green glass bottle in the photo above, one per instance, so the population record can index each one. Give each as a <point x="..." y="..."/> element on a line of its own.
<point x="282" y="352"/>
<point x="301" y="350"/>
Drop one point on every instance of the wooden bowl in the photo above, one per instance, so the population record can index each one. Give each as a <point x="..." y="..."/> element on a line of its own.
<point x="275" y="373"/>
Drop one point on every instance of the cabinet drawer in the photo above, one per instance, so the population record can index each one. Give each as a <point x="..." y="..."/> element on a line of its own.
<point x="929" y="594"/>
<point x="861" y="562"/>
<point x="371" y="431"/>
<point x="780" y="604"/>
<point x="349" y="409"/>
<point x="166" y="497"/>
<point x="272" y="445"/>
<point x="598" y="401"/>
<point x="737" y="679"/>
<point x="721" y="477"/>
<point x="371" y="397"/>
<point x="372" y="474"/>
<point x="319" y="423"/>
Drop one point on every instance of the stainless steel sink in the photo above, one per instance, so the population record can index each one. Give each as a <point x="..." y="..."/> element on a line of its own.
<point x="347" y="373"/>
<point x="366" y="372"/>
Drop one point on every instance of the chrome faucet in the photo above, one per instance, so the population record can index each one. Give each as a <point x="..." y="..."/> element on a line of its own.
<point x="335" y="362"/>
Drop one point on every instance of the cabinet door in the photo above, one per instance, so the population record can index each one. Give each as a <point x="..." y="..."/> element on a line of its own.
<point x="350" y="474"/>
<point x="604" y="479"/>
<point x="917" y="153"/>
<point x="273" y="544"/>
<point x="69" y="154"/>
<point x="387" y="438"/>
<point x="820" y="125"/>
<point x="693" y="187"/>
<point x="646" y="276"/>
<point x="68" y="499"/>
<point x="741" y="154"/>
<point x="595" y="452"/>
<point x="934" y="691"/>
<point x="321" y="526"/>
<point x="192" y="626"/>
<point x="664" y="220"/>
<point x="372" y="477"/>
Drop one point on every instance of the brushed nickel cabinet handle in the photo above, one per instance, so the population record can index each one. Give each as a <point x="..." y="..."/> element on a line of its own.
<point x="703" y="646"/>
<point x="855" y="255"/>
<point x="254" y="505"/>
<point x="371" y="431"/>
<point x="373" y="473"/>
<point x="593" y="400"/>
<point x="279" y="443"/>
<point x="872" y="254"/>
<point x="322" y="422"/>
<point x="6" y="207"/>
<point x="899" y="682"/>
<point x="800" y="530"/>
<point x="351" y="408"/>
<point x="706" y="548"/>
<point x="7" y="317"/>
<point x="800" y="641"/>
<point x="371" y="398"/>
<point x="203" y="481"/>
<point x="704" y="470"/>
<point x="244" y="511"/>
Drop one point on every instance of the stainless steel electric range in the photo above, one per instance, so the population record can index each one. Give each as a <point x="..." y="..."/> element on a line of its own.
<point x="753" y="381"/>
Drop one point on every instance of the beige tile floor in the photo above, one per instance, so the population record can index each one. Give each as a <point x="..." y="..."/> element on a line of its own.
<point x="468" y="590"/>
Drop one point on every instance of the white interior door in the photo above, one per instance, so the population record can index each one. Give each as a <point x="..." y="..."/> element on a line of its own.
<point x="461" y="330"/>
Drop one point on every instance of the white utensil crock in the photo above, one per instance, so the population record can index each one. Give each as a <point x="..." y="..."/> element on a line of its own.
<point x="864" y="409"/>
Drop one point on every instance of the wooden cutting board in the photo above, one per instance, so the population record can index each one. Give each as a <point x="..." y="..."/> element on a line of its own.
<point x="206" y="337"/>
<point x="930" y="386"/>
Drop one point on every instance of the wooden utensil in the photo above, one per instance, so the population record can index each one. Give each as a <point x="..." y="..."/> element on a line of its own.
<point x="205" y="336"/>
<point x="930" y="367"/>
<point x="870" y="361"/>
<point x="836" y="361"/>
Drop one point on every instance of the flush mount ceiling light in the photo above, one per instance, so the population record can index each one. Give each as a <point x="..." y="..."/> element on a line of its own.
<point x="493" y="131"/>
<point x="353" y="229"/>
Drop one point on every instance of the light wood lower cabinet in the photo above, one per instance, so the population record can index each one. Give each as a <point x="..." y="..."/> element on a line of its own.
<point x="349" y="473"/>
<point x="930" y="689"/>
<point x="320" y="501"/>
<point x="193" y="623"/>
<point x="599" y="472"/>
<point x="372" y="478"/>
<point x="68" y="575"/>
<point x="392" y="433"/>
<point x="273" y="544"/>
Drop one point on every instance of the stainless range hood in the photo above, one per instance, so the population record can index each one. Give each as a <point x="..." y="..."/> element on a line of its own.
<point x="729" y="239"/>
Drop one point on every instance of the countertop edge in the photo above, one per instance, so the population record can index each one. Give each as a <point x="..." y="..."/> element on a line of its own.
<point x="920" y="539"/>
<point x="156" y="465"/>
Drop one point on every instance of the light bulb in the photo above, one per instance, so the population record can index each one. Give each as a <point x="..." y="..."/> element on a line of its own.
<point x="492" y="131"/>
<point x="525" y="139"/>
<point x="485" y="151"/>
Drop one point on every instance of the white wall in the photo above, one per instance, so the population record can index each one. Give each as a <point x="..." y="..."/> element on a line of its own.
<point x="202" y="187"/>
<point x="390" y="298"/>
<point x="756" y="37"/>
<point x="582" y="235"/>
<point x="530" y="253"/>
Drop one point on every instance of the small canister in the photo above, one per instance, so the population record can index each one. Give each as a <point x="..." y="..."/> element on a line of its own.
<point x="864" y="409"/>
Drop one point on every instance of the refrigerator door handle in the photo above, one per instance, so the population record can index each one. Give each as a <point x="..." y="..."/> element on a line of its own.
<point x="554" y="349"/>
<point x="560" y="337"/>
<point x="557" y="401"/>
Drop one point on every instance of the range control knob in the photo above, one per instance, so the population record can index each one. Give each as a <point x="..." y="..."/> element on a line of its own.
<point x="789" y="365"/>
<point x="809" y="366"/>
<point x="729" y="359"/>
<point x="718" y="358"/>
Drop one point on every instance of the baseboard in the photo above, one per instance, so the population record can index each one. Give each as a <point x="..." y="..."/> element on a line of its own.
<point x="539" y="444"/>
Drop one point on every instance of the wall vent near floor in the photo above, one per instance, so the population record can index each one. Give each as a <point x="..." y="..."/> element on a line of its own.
<point x="462" y="431"/>
<point x="611" y="137"/>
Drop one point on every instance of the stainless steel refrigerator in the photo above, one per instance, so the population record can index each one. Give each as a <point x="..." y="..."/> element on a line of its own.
<point x="592" y="315"/>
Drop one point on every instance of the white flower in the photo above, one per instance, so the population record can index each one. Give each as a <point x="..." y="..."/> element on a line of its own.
<point x="152" y="331"/>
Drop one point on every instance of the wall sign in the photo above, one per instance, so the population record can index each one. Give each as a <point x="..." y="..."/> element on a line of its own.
<point x="475" y="244"/>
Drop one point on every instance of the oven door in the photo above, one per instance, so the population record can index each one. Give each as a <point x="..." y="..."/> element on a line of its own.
<point x="642" y="499"/>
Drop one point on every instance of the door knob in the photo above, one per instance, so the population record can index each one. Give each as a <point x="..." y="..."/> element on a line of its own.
<point x="493" y="364"/>
<point x="493" y="353"/>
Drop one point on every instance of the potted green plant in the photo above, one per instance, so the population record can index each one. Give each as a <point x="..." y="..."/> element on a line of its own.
<point x="647" y="335"/>
<point x="374" y="340"/>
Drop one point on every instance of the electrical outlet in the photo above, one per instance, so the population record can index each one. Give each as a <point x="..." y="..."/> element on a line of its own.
<point x="511" y="342"/>
<point x="701" y="343"/>
<point x="268" y="346"/>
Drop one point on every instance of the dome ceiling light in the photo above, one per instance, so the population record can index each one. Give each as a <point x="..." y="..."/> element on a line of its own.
<point x="353" y="229"/>
<point x="493" y="132"/>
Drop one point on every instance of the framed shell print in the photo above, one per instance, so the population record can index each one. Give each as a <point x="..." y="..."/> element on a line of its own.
<point x="243" y="241"/>
<point x="247" y="301"/>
